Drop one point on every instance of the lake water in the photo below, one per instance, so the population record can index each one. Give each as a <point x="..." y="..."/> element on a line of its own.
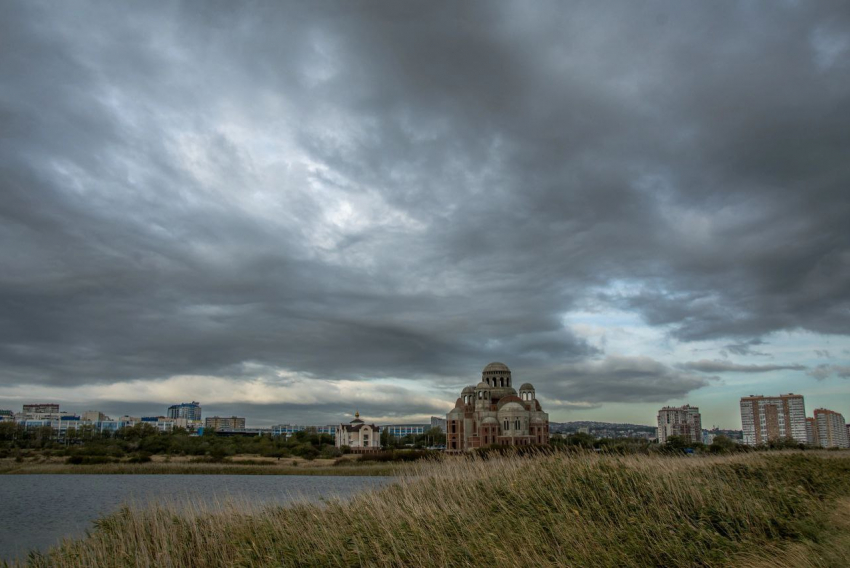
<point x="37" y="511"/>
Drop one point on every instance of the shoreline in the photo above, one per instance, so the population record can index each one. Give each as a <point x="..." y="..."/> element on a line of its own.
<point x="183" y="466"/>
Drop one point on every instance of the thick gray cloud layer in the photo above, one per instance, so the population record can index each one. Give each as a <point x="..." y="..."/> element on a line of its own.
<point x="369" y="190"/>
<point x="706" y="366"/>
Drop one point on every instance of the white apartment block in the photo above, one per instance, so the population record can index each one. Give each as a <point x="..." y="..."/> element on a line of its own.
<point x="768" y="418"/>
<point x="682" y="421"/>
<point x="832" y="430"/>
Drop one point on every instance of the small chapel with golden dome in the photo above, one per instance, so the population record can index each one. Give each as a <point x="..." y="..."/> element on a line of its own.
<point x="492" y="412"/>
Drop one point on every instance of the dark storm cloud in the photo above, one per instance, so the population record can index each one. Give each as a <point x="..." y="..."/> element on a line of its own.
<point x="622" y="379"/>
<point x="746" y="348"/>
<point x="413" y="189"/>
<point x="824" y="371"/>
<point x="706" y="366"/>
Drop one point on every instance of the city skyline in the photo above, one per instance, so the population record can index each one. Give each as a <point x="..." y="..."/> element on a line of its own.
<point x="355" y="207"/>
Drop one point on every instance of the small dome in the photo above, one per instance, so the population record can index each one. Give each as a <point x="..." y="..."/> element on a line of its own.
<point x="489" y="420"/>
<point x="496" y="367"/>
<point x="526" y="387"/>
<point x="468" y="390"/>
<point x="512" y="407"/>
<point x="482" y="385"/>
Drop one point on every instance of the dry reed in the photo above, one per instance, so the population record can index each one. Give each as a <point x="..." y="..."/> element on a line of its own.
<point x="546" y="510"/>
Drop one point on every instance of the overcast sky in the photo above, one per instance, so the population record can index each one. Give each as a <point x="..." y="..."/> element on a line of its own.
<point x="290" y="211"/>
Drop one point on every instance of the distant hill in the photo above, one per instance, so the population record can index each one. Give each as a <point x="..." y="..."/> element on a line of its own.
<point x="598" y="425"/>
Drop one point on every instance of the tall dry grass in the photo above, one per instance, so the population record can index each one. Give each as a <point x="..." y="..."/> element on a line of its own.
<point x="547" y="510"/>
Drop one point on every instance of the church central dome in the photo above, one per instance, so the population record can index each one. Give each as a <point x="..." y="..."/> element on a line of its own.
<point x="496" y="367"/>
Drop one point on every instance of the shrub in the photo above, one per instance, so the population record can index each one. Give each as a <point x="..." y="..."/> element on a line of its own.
<point x="89" y="460"/>
<point x="399" y="456"/>
<point x="141" y="457"/>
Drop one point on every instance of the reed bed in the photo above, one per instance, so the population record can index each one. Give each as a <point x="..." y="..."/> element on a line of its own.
<point x="563" y="509"/>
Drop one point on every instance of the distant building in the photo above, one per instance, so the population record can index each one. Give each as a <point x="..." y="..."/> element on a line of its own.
<point x="437" y="422"/>
<point x="683" y="421"/>
<point x="583" y="430"/>
<point x="187" y="410"/>
<point x="219" y="423"/>
<point x="329" y="429"/>
<point x="288" y="430"/>
<point x="7" y="415"/>
<point x="49" y="408"/>
<point x="708" y="437"/>
<point x="812" y="437"/>
<point x="768" y="418"/>
<point x="832" y="430"/>
<point x="492" y="412"/>
<point x="94" y="416"/>
<point x="358" y="436"/>
<point x="402" y="430"/>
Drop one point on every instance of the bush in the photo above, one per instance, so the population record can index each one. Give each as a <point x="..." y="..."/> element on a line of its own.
<point x="141" y="457"/>
<point x="399" y="456"/>
<point x="331" y="452"/>
<point x="89" y="460"/>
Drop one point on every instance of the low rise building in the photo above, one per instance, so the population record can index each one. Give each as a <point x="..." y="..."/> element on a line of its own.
<point x="41" y="408"/>
<point x="94" y="416"/>
<point x="358" y="436"/>
<point x="225" y="423"/>
<point x="437" y="422"/>
<point x="402" y="430"/>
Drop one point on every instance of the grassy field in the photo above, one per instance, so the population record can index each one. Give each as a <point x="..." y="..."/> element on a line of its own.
<point x="779" y="509"/>
<point x="238" y="465"/>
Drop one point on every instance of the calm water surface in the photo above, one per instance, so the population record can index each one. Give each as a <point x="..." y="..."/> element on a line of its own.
<point x="37" y="511"/>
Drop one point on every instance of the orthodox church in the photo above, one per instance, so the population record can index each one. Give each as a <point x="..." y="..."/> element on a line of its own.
<point x="492" y="412"/>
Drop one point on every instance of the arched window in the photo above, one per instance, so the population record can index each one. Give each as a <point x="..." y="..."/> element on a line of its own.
<point x="480" y="395"/>
<point x="507" y="426"/>
<point x="502" y="381"/>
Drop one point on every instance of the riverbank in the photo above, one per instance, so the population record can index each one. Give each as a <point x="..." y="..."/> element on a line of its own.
<point x="782" y="509"/>
<point x="237" y="465"/>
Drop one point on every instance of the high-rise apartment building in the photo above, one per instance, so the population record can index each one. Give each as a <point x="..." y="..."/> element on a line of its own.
<point x="832" y="430"/>
<point x="768" y="418"/>
<point x="225" y="423"/>
<point x="812" y="437"/>
<point x="186" y="410"/>
<point x="684" y="421"/>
